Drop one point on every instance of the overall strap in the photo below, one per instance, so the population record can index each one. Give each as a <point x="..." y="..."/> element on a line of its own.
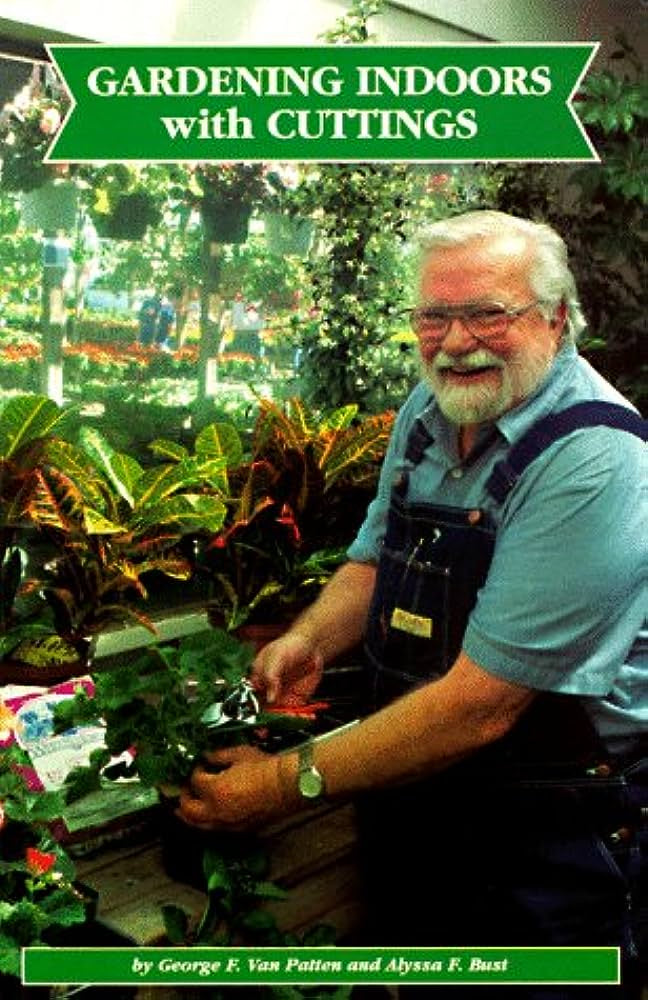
<point x="553" y="427"/>
<point x="418" y="440"/>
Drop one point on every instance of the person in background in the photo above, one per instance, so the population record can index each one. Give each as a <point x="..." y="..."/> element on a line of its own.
<point x="165" y="321"/>
<point x="499" y="584"/>
<point x="148" y="317"/>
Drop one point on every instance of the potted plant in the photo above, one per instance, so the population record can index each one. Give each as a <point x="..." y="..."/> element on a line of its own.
<point x="107" y="520"/>
<point x="170" y="706"/>
<point x="288" y="229"/>
<point x="28" y="508"/>
<point x="125" y="201"/>
<point x="226" y="194"/>
<point x="293" y="510"/>
<point x="37" y="889"/>
<point x="28" y="125"/>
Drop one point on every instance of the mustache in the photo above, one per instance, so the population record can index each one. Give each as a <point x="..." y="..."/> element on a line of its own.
<point x="480" y="358"/>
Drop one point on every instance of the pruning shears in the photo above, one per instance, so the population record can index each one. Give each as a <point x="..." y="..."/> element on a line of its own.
<point x="240" y="705"/>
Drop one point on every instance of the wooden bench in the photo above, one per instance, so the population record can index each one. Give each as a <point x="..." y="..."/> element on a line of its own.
<point x="313" y="856"/>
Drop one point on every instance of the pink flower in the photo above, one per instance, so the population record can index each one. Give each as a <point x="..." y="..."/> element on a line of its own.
<point x="39" y="862"/>
<point x="50" y="121"/>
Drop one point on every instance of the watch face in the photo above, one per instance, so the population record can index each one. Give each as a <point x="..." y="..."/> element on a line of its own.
<point x="310" y="783"/>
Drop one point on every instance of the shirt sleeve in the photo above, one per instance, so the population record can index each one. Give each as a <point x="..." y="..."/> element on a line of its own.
<point x="565" y="596"/>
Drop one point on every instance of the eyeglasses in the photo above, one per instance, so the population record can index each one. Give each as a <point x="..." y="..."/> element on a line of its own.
<point x="482" y="322"/>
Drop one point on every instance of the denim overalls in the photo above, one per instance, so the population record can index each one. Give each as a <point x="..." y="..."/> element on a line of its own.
<point x="535" y="840"/>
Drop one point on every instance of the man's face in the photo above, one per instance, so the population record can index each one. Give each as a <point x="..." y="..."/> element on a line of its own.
<point x="474" y="380"/>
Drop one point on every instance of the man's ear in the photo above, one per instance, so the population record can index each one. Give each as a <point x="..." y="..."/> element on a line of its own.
<point x="559" y="318"/>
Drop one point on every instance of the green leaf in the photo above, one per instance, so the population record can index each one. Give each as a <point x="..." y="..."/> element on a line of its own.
<point x="96" y="524"/>
<point x="9" y="956"/>
<point x="258" y="921"/>
<point x="166" y="480"/>
<point x="24" y="419"/>
<point x="104" y="455"/>
<point x="168" y="449"/>
<point x="319" y="936"/>
<point x="341" y="418"/>
<point x="46" y="806"/>
<point x="190" y="512"/>
<point x="220" y="440"/>
<point x="73" y="462"/>
<point x="216" y="872"/>
<point x="63" y="907"/>
<point x="268" y="890"/>
<point x="127" y="471"/>
<point x="176" y="923"/>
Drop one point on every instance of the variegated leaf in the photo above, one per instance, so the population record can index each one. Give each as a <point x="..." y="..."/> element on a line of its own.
<point x="96" y="524"/>
<point x="339" y="420"/>
<point x="159" y="482"/>
<point x="101" y="452"/>
<point x="220" y="440"/>
<point x="26" y="418"/>
<point x="73" y="462"/>
<point x="168" y="449"/>
<point x="190" y="512"/>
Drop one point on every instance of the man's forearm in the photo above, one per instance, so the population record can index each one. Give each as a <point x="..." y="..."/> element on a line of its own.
<point x="424" y="732"/>
<point x="336" y="621"/>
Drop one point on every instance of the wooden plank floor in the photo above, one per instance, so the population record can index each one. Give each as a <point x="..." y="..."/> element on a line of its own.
<point x="313" y="855"/>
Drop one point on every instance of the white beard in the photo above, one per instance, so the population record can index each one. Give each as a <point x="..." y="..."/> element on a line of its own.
<point x="515" y="379"/>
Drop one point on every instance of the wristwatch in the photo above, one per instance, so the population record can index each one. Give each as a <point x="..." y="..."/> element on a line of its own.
<point x="309" y="780"/>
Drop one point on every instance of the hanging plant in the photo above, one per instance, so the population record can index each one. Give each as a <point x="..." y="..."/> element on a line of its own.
<point x="124" y="202"/>
<point x="28" y="125"/>
<point x="226" y="194"/>
<point x="288" y="228"/>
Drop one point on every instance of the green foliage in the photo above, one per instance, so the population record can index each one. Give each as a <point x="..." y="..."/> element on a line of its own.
<point x="353" y="27"/>
<point x="156" y="705"/>
<point x="20" y="258"/>
<point x="294" y="508"/>
<point x="600" y="210"/>
<point x="236" y="875"/>
<point x="126" y="200"/>
<point x="260" y="276"/>
<point x="358" y="279"/>
<point x="36" y="890"/>
<point x="101" y="329"/>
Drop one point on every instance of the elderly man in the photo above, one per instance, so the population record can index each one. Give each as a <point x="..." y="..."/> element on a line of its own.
<point x="499" y="583"/>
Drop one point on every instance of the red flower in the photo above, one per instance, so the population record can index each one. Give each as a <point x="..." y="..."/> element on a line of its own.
<point x="39" y="862"/>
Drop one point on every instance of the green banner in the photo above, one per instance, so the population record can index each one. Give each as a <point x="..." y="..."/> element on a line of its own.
<point x="426" y="103"/>
<point x="318" y="966"/>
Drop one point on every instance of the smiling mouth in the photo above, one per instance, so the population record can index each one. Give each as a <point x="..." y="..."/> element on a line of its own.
<point x="457" y="371"/>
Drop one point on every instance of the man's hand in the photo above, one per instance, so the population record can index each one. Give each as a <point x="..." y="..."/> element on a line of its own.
<point x="288" y="670"/>
<point x="244" y="795"/>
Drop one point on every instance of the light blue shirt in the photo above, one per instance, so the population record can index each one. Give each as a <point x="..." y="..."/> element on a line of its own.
<point x="565" y="605"/>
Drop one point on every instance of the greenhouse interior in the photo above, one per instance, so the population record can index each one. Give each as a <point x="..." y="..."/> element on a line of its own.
<point x="323" y="547"/>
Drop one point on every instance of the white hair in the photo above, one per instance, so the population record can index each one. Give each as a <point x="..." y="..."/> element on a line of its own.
<point x="550" y="276"/>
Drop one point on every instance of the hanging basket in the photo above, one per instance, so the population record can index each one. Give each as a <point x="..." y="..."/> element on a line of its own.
<point x="130" y="218"/>
<point x="225" y="222"/>
<point x="51" y="208"/>
<point x="288" y="234"/>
